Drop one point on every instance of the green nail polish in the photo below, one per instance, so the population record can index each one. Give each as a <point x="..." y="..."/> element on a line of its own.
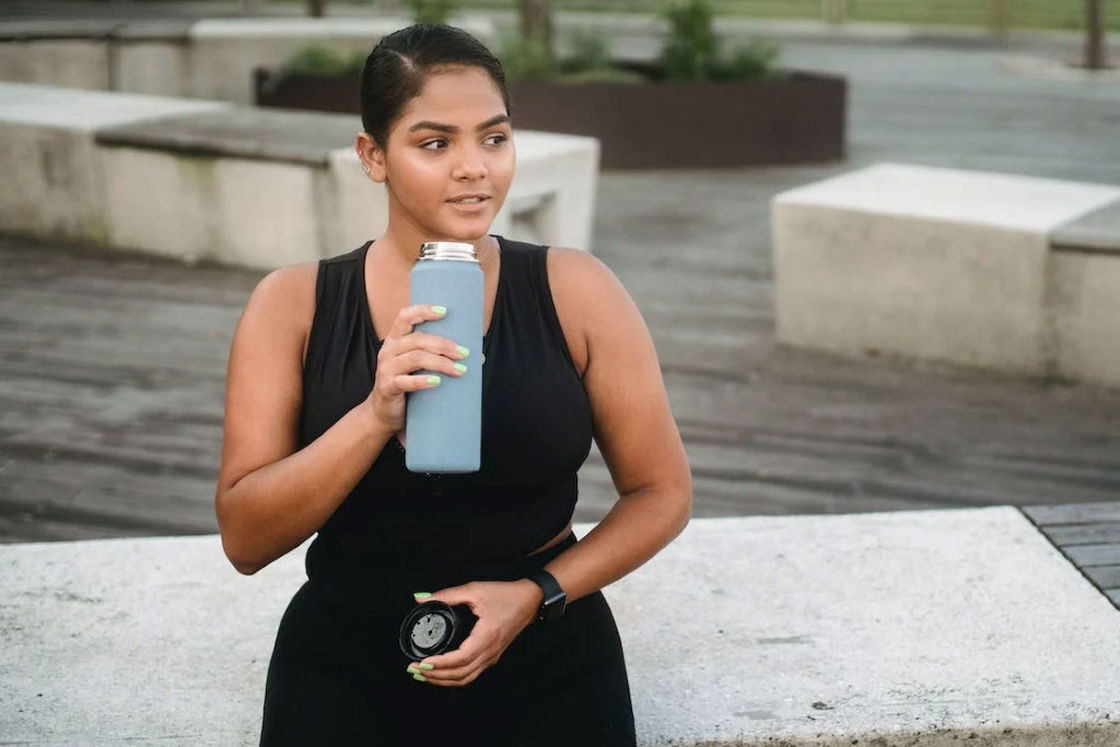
<point x="419" y="678"/>
<point x="426" y="666"/>
<point x="433" y="380"/>
<point x="463" y="351"/>
<point x="421" y="594"/>
<point x="413" y="670"/>
<point x="439" y="309"/>
<point x="460" y="368"/>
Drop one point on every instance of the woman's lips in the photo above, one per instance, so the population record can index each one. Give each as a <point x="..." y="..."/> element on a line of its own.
<point x="470" y="207"/>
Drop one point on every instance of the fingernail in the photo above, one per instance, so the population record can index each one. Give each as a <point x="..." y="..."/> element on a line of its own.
<point x="463" y="351"/>
<point x="413" y="670"/>
<point x="421" y="594"/>
<point x="433" y="380"/>
<point x="460" y="368"/>
<point x="419" y="678"/>
<point x="439" y="309"/>
<point x="426" y="666"/>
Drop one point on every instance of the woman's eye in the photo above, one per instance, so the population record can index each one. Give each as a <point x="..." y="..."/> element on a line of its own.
<point x="431" y="142"/>
<point x="499" y="138"/>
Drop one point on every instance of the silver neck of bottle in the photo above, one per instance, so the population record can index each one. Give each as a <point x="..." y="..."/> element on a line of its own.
<point x="453" y="250"/>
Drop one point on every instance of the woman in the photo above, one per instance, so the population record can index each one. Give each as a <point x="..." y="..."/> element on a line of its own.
<point x="319" y="367"/>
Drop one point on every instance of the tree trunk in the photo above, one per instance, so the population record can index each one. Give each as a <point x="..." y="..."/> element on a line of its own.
<point x="316" y="8"/>
<point x="536" y="21"/>
<point x="1094" y="41"/>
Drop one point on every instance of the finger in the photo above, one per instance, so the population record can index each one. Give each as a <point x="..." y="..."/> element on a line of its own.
<point x="422" y="360"/>
<point x="407" y="383"/>
<point x="452" y="595"/>
<point x="470" y="649"/>
<point x="410" y="316"/>
<point x="467" y="678"/>
<point x="432" y="343"/>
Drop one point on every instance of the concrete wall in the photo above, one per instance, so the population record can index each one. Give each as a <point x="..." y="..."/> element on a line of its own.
<point x="931" y="263"/>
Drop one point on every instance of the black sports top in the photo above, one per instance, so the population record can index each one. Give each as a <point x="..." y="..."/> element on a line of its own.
<point x="536" y="427"/>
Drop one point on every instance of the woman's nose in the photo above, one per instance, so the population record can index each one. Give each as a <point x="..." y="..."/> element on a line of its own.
<point x="471" y="164"/>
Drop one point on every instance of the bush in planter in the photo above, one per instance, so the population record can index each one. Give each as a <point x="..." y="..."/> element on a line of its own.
<point x="317" y="59"/>
<point x="432" y="11"/>
<point x="692" y="51"/>
<point x="589" y="61"/>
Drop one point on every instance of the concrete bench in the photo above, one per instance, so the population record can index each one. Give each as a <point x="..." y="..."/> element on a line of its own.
<point x="938" y="626"/>
<point x="207" y="59"/>
<point x="260" y="188"/>
<point x="950" y="265"/>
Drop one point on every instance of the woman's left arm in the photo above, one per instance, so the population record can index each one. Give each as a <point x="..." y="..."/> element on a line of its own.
<point x="638" y="438"/>
<point x="634" y="428"/>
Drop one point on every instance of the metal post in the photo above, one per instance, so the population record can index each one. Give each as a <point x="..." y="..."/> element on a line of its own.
<point x="1094" y="40"/>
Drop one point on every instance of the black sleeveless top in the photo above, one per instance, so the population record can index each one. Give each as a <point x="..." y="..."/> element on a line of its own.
<point x="536" y="427"/>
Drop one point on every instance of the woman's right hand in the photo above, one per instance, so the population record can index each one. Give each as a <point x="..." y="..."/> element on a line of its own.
<point x="403" y="352"/>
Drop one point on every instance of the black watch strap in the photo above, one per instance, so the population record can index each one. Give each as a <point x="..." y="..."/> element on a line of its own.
<point x="552" y="606"/>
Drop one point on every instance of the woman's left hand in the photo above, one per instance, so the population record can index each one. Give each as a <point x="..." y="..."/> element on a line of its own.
<point x="503" y="608"/>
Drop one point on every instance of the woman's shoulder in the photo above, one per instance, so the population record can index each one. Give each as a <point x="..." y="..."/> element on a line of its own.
<point x="285" y="297"/>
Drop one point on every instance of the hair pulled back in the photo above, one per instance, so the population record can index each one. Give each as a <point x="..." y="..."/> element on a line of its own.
<point x="395" y="71"/>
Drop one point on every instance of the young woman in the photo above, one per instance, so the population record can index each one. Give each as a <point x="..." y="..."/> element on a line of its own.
<point x="319" y="367"/>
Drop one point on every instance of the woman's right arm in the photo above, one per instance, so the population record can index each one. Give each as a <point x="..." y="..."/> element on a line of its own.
<point x="270" y="496"/>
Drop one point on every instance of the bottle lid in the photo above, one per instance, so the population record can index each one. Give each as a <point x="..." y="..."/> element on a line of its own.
<point x="453" y="250"/>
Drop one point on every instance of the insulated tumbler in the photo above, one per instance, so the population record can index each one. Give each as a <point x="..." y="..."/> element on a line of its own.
<point x="443" y="425"/>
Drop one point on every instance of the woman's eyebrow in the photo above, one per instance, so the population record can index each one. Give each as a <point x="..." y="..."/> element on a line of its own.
<point x="438" y="127"/>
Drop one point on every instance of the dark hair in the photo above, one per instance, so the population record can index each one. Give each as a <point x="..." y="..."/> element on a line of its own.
<point x="395" y="70"/>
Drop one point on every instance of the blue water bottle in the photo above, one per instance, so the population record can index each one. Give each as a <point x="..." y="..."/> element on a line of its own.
<point x="443" y="425"/>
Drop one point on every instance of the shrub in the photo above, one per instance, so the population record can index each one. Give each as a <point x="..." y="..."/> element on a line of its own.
<point x="692" y="50"/>
<point x="754" y="60"/>
<point x="692" y="46"/>
<point x="317" y="59"/>
<point x="588" y="50"/>
<point x="524" y="59"/>
<point x="432" y="11"/>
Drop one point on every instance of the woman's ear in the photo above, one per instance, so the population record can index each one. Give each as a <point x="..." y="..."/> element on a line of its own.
<point x="372" y="156"/>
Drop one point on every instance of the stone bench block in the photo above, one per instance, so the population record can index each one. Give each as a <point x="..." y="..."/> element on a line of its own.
<point x="916" y="627"/>
<point x="924" y="262"/>
<point x="54" y="185"/>
<point x="1084" y="296"/>
<point x="240" y="185"/>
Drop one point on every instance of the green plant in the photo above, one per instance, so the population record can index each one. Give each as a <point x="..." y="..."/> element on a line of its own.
<point x="524" y="59"/>
<point x="432" y="11"/>
<point x="602" y="75"/>
<point x="692" y="49"/>
<point x="317" y="59"/>
<point x="753" y="60"/>
<point x="588" y="50"/>
<point x="692" y="46"/>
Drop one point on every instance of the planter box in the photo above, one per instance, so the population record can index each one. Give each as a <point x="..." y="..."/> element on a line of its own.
<point x="792" y="117"/>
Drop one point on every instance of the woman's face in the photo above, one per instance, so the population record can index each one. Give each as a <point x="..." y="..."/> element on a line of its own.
<point x="453" y="139"/>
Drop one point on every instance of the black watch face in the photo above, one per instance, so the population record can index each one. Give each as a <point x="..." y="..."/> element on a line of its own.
<point x="429" y="631"/>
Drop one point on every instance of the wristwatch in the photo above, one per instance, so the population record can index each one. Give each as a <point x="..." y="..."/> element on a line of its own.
<point x="552" y="607"/>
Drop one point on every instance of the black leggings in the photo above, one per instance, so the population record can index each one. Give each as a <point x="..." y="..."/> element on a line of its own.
<point x="337" y="677"/>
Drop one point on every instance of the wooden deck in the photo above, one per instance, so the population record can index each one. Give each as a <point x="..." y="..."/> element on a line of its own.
<point x="112" y="373"/>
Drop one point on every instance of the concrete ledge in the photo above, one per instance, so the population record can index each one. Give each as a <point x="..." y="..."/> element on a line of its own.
<point x="259" y="188"/>
<point x="916" y="627"/>
<point x="931" y="263"/>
